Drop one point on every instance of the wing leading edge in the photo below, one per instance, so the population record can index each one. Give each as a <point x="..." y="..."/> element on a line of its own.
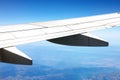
<point x="68" y="32"/>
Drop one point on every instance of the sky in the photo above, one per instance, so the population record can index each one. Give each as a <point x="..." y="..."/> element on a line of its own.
<point x="57" y="56"/>
<point x="25" y="11"/>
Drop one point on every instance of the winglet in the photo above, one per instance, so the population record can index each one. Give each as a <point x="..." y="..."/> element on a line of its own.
<point x="14" y="56"/>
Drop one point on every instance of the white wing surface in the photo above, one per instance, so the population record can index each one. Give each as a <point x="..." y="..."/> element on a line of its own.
<point x="59" y="31"/>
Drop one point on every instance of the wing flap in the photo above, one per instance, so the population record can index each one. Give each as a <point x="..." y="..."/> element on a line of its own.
<point x="13" y="55"/>
<point x="93" y="40"/>
<point x="85" y="39"/>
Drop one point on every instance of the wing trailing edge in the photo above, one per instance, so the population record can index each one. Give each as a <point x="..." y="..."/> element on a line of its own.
<point x="85" y="39"/>
<point x="14" y="56"/>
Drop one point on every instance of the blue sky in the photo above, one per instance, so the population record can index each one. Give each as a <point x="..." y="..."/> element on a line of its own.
<point x="26" y="11"/>
<point x="59" y="57"/>
<point x="23" y="11"/>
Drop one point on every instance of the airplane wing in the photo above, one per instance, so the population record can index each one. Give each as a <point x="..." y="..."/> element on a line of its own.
<point x="72" y="32"/>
